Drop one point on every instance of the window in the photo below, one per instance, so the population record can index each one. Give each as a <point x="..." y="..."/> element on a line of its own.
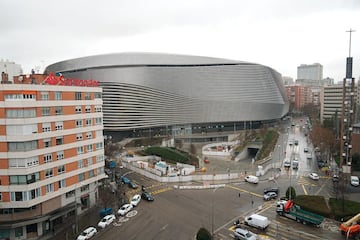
<point x="81" y="177"/>
<point x="99" y="145"/>
<point x="49" y="188"/>
<point x="78" y="96"/>
<point x="98" y="121"/>
<point x="61" y="183"/>
<point x="34" y="177"/>
<point x="44" y="95"/>
<point x="22" y="146"/>
<point x="81" y="163"/>
<point x="87" y="109"/>
<point x="45" y="111"/>
<point x="87" y="96"/>
<point x="58" y="110"/>
<point x="99" y="133"/>
<point x="35" y="193"/>
<point x="61" y="169"/>
<point x="88" y="135"/>
<point x="18" y="196"/>
<point x="57" y="95"/>
<point x="59" y="126"/>
<point x="46" y="127"/>
<point x="97" y="95"/>
<point x="79" y="123"/>
<point x="48" y="173"/>
<point x="84" y="188"/>
<point x="100" y="158"/>
<point x="47" y="142"/>
<point x="79" y="137"/>
<point x="59" y="140"/>
<point x="70" y="193"/>
<point x="78" y="109"/>
<point x="90" y="161"/>
<point x="47" y="158"/>
<point x="60" y="155"/>
<point x="23" y="162"/>
<point x="17" y="179"/>
<point x="0" y="196"/>
<point x="21" y="113"/>
<point x="91" y="173"/>
<point x="19" y="232"/>
<point x="88" y="122"/>
<point x="80" y="150"/>
<point x="89" y="148"/>
<point x="98" y="109"/>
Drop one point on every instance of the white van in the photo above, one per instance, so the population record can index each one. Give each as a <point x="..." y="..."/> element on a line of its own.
<point x="251" y="179"/>
<point x="258" y="221"/>
<point x="354" y="181"/>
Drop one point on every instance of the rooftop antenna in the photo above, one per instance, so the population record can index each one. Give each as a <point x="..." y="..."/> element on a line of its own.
<point x="350" y="31"/>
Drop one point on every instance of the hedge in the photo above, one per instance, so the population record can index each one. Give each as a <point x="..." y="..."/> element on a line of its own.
<point x="167" y="154"/>
<point x="351" y="208"/>
<point x="314" y="204"/>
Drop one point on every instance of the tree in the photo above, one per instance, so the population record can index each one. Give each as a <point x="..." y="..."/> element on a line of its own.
<point x="203" y="234"/>
<point x="292" y="191"/>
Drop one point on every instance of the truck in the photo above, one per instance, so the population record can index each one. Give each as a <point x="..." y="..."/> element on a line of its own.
<point x="257" y="221"/>
<point x="290" y="210"/>
<point x="351" y="228"/>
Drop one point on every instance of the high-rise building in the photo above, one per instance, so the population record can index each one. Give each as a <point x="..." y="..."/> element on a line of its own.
<point x="51" y="152"/>
<point x="310" y="72"/>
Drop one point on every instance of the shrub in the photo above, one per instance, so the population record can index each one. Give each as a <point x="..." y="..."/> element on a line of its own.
<point x="314" y="204"/>
<point x="203" y="234"/>
<point x="350" y="208"/>
<point x="167" y="154"/>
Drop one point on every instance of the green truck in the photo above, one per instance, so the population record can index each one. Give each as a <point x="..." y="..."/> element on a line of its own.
<point x="289" y="210"/>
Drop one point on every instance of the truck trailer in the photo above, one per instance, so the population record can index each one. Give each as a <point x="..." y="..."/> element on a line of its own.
<point x="290" y="210"/>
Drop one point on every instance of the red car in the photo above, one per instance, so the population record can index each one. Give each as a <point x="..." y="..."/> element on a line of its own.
<point x="206" y="160"/>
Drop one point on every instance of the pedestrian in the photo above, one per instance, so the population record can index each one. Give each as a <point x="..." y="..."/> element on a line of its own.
<point x="252" y="203"/>
<point x="239" y="194"/>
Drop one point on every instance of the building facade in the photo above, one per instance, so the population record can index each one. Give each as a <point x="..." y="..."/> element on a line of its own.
<point x="147" y="94"/>
<point x="310" y="72"/>
<point x="51" y="153"/>
<point x="9" y="68"/>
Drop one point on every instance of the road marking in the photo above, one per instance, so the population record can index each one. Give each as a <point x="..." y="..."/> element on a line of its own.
<point x="161" y="190"/>
<point x="243" y="190"/>
<point x="303" y="187"/>
<point x="321" y="188"/>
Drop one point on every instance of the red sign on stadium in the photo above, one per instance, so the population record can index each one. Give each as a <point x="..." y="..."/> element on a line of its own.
<point x="51" y="79"/>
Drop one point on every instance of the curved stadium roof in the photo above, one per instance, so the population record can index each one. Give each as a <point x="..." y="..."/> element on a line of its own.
<point x="143" y="90"/>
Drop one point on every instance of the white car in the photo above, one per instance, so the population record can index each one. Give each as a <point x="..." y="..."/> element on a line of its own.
<point x="106" y="221"/>
<point x="87" y="233"/>
<point x="135" y="200"/>
<point x="314" y="176"/>
<point x="125" y="209"/>
<point x="243" y="234"/>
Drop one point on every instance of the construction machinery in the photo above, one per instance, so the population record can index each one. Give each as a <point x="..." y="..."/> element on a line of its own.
<point x="351" y="227"/>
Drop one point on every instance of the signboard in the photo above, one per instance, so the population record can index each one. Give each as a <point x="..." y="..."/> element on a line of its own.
<point x="51" y="79"/>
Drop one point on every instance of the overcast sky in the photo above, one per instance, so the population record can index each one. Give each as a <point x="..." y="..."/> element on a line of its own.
<point x="281" y="34"/>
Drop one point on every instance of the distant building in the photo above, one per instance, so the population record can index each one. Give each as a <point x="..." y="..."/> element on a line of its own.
<point x="299" y="96"/>
<point x="288" y="80"/>
<point x="51" y="153"/>
<point x="10" y="68"/>
<point x="312" y="72"/>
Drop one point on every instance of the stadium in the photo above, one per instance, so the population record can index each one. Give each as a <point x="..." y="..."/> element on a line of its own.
<point x="152" y="94"/>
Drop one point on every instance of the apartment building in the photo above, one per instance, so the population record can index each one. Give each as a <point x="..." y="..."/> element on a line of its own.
<point x="51" y="152"/>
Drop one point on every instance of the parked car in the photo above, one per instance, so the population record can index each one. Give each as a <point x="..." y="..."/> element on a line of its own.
<point x="125" y="180"/>
<point x="147" y="196"/>
<point x="105" y="211"/>
<point x="287" y="163"/>
<point x="271" y="189"/>
<point x="135" y="200"/>
<point x="306" y="149"/>
<point x="244" y="234"/>
<point x="354" y="181"/>
<point x="133" y="185"/>
<point x="125" y="209"/>
<point x="87" y="233"/>
<point x="270" y="195"/>
<point x="335" y="178"/>
<point x="314" y="176"/>
<point x="251" y="179"/>
<point x="106" y="221"/>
